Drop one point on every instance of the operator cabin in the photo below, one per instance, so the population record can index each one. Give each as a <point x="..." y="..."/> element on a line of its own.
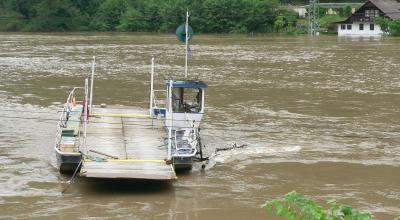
<point x="361" y="22"/>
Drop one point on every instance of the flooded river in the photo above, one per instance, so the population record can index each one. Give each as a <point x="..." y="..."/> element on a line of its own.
<point x="318" y="116"/>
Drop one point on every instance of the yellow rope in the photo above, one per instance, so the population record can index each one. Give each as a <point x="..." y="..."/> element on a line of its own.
<point x="121" y="115"/>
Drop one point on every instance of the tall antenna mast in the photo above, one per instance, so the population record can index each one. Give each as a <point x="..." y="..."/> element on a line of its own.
<point x="187" y="42"/>
<point x="313" y="14"/>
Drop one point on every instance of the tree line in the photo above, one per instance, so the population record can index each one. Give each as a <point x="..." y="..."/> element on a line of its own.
<point x="207" y="16"/>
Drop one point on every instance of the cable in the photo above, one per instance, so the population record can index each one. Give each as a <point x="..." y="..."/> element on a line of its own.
<point x="222" y="129"/>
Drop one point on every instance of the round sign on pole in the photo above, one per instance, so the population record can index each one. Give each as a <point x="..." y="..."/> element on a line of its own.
<point x="181" y="32"/>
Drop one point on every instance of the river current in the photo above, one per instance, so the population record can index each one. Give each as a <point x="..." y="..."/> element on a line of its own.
<point x="319" y="116"/>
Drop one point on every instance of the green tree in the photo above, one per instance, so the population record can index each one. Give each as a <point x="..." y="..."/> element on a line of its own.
<point x="291" y="17"/>
<point x="383" y="23"/>
<point x="346" y="11"/>
<point x="394" y="27"/>
<point x="109" y="15"/>
<point x="279" y="23"/>
<point x="54" y="15"/>
<point x="260" y="16"/>
<point x="211" y="16"/>
<point x="131" y="20"/>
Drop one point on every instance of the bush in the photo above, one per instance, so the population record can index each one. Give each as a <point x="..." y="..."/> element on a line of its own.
<point x="296" y="206"/>
<point x="392" y="27"/>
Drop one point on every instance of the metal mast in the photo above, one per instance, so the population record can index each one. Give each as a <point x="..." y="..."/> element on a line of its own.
<point x="313" y="15"/>
<point x="186" y="42"/>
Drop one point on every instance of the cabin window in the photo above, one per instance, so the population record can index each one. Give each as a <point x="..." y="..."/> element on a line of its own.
<point x="349" y="27"/>
<point x="343" y="26"/>
<point x="361" y="26"/>
<point x="186" y="100"/>
<point x="371" y="27"/>
<point x="376" y="13"/>
<point x="367" y="13"/>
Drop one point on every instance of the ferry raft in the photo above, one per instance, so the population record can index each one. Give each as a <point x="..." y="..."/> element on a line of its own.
<point x="128" y="142"/>
<point x="99" y="141"/>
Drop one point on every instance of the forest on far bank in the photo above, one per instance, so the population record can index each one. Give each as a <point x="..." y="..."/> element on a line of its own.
<point x="207" y="16"/>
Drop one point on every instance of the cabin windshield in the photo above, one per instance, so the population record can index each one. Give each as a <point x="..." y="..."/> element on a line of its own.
<point x="186" y="99"/>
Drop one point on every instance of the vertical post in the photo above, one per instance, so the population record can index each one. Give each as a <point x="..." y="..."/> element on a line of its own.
<point x="152" y="86"/>
<point x="202" y="100"/>
<point x="85" y="111"/>
<point x="169" y="120"/>
<point x="310" y="19"/>
<point x="91" y="83"/>
<point x="313" y="14"/>
<point x="187" y="42"/>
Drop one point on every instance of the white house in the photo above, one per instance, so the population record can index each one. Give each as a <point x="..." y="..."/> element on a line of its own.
<point x="361" y="22"/>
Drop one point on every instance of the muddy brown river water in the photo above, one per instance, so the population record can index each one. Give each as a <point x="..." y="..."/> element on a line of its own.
<point x="319" y="116"/>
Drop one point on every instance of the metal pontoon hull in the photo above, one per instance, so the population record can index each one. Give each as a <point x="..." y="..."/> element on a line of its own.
<point x="67" y="163"/>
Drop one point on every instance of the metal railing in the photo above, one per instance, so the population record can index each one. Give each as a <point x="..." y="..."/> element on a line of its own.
<point x="159" y="103"/>
<point x="192" y="140"/>
<point x="63" y="119"/>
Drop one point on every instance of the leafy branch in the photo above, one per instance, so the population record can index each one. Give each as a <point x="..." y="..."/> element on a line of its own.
<point x="296" y="206"/>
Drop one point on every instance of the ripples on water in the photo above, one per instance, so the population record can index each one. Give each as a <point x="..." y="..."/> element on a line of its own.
<point x="319" y="116"/>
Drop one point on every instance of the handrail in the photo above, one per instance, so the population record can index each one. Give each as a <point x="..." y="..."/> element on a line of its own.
<point x="63" y="117"/>
<point x="191" y="139"/>
<point x="156" y="102"/>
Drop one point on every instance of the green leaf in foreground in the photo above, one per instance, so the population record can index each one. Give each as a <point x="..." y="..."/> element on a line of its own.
<point x="296" y="206"/>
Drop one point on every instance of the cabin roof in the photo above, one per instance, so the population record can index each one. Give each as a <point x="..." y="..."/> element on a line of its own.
<point x="187" y="83"/>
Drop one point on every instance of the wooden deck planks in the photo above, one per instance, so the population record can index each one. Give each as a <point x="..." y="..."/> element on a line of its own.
<point x="136" y="140"/>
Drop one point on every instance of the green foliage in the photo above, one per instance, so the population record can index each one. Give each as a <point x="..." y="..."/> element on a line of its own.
<point x="383" y="23"/>
<point x="345" y="11"/>
<point x="54" y="15"/>
<point x="279" y="23"/>
<point x="131" y="20"/>
<point x="392" y="27"/>
<point x="223" y="16"/>
<point x="296" y="206"/>
<point x="322" y="11"/>
<point x="324" y="22"/>
<point x="109" y="14"/>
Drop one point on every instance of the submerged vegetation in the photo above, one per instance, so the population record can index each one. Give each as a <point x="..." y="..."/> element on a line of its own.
<point x="296" y="206"/>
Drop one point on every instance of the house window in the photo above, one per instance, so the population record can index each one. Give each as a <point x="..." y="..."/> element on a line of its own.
<point x="361" y="27"/>
<point x="371" y="27"/>
<point x="343" y="26"/>
<point x="367" y="13"/>
<point x="376" y="13"/>
<point x="349" y="27"/>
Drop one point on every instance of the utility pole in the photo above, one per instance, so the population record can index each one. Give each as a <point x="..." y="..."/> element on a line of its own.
<point x="313" y="15"/>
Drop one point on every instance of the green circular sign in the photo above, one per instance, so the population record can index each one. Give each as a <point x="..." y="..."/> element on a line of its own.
<point x="181" y="33"/>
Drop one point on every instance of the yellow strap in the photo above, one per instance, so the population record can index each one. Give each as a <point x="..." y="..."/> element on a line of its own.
<point x="120" y="115"/>
<point x="142" y="161"/>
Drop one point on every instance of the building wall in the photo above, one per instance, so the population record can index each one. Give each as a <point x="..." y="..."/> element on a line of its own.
<point x="355" y="29"/>
<point x="301" y="11"/>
